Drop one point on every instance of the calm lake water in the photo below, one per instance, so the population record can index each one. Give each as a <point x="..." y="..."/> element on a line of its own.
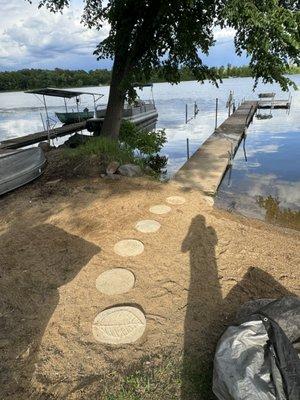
<point x="265" y="184"/>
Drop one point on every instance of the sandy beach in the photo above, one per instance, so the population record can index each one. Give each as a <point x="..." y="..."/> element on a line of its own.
<point x="194" y="273"/>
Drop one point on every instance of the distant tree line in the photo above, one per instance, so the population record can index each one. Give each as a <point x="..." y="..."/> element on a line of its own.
<point x="27" y="79"/>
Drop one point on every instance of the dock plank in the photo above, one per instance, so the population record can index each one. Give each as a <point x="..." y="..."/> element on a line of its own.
<point x="205" y="169"/>
<point x="37" y="137"/>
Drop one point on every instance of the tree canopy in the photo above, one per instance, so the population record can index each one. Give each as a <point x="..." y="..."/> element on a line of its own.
<point x="150" y="34"/>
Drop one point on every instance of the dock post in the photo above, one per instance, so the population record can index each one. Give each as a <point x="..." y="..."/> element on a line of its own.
<point x="187" y="148"/>
<point x="216" y="116"/>
<point x="186" y="113"/>
<point x="195" y="110"/>
<point x="229" y="102"/>
<point x="247" y="123"/>
<point x="66" y="108"/>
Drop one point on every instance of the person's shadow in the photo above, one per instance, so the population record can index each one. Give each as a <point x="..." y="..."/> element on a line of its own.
<point x="34" y="263"/>
<point x="203" y="306"/>
<point x="207" y="313"/>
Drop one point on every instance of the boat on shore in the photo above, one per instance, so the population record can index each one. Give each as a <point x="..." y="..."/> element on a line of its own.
<point x="18" y="167"/>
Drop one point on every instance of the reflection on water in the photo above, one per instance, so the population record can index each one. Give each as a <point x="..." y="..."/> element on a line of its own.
<point x="264" y="116"/>
<point x="268" y="166"/>
<point x="264" y="180"/>
<point x="278" y="215"/>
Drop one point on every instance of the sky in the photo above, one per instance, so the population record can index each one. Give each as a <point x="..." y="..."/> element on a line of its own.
<point x="35" y="38"/>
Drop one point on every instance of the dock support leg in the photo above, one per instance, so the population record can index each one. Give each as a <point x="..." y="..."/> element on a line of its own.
<point x="187" y="148"/>
<point x="186" y="113"/>
<point x="216" y="116"/>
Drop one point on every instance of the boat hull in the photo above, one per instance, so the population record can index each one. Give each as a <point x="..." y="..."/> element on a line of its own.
<point x="145" y="121"/>
<point x="19" y="167"/>
<point x="131" y="112"/>
<point x="73" y="117"/>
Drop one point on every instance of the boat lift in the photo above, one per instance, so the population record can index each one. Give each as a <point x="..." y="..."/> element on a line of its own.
<point x="267" y="101"/>
<point x="65" y="95"/>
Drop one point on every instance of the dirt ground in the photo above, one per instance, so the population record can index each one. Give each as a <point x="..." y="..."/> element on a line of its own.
<point x="195" y="272"/>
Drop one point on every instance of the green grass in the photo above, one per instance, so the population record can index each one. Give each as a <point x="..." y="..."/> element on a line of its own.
<point x="164" y="378"/>
<point x="104" y="147"/>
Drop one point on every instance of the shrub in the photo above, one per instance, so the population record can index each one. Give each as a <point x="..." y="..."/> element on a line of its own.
<point x="147" y="143"/>
<point x="131" y="139"/>
<point x="157" y="163"/>
<point x="109" y="149"/>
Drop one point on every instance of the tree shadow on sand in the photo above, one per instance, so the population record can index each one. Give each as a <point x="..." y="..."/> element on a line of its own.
<point x="34" y="263"/>
<point x="207" y="313"/>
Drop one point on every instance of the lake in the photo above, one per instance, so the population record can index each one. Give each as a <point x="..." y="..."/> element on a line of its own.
<point x="264" y="181"/>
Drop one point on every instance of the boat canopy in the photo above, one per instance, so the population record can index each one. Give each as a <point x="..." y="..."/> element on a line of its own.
<point x="142" y="85"/>
<point x="63" y="93"/>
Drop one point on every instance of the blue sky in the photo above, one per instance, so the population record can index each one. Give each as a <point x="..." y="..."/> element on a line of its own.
<point x="32" y="38"/>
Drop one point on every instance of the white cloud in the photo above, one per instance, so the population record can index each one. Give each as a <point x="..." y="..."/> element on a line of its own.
<point x="224" y="35"/>
<point x="287" y="192"/>
<point x="29" y="35"/>
<point x="35" y="38"/>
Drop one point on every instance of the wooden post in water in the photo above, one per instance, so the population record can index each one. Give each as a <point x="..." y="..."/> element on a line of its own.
<point x="186" y="113"/>
<point x="187" y="148"/>
<point x="229" y="102"/>
<point x="216" y="116"/>
<point x="233" y="107"/>
<point x="195" y="110"/>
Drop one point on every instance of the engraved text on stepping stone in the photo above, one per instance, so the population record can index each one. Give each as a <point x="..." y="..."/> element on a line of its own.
<point x="160" y="209"/>
<point x="129" y="248"/>
<point x="176" y="200"/>
<point x="147" y="226"/>
<point x="119" y="325"/>
<point x="115" y="281"/>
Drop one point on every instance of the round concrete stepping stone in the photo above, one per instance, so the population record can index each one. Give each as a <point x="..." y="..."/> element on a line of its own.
<point x="129" y="248"/>
<point x="148" y="226"/>
<point x="176" y="200"/>
<point x="119" y="325"/>
<point x="160" y="209"/>
<point x="115" y="281"/>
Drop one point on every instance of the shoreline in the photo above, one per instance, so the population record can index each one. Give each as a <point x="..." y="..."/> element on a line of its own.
<point x="154" y="81"/>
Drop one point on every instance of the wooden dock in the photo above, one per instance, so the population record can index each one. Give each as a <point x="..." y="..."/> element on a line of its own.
<point x="37" y="137"/>
<point x="206" y="168"/>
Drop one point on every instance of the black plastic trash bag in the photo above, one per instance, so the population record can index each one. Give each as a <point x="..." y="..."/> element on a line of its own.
<point x="258" y="358"/>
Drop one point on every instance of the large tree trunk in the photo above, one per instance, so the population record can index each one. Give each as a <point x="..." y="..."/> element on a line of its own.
<point x="112" y="121"/>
